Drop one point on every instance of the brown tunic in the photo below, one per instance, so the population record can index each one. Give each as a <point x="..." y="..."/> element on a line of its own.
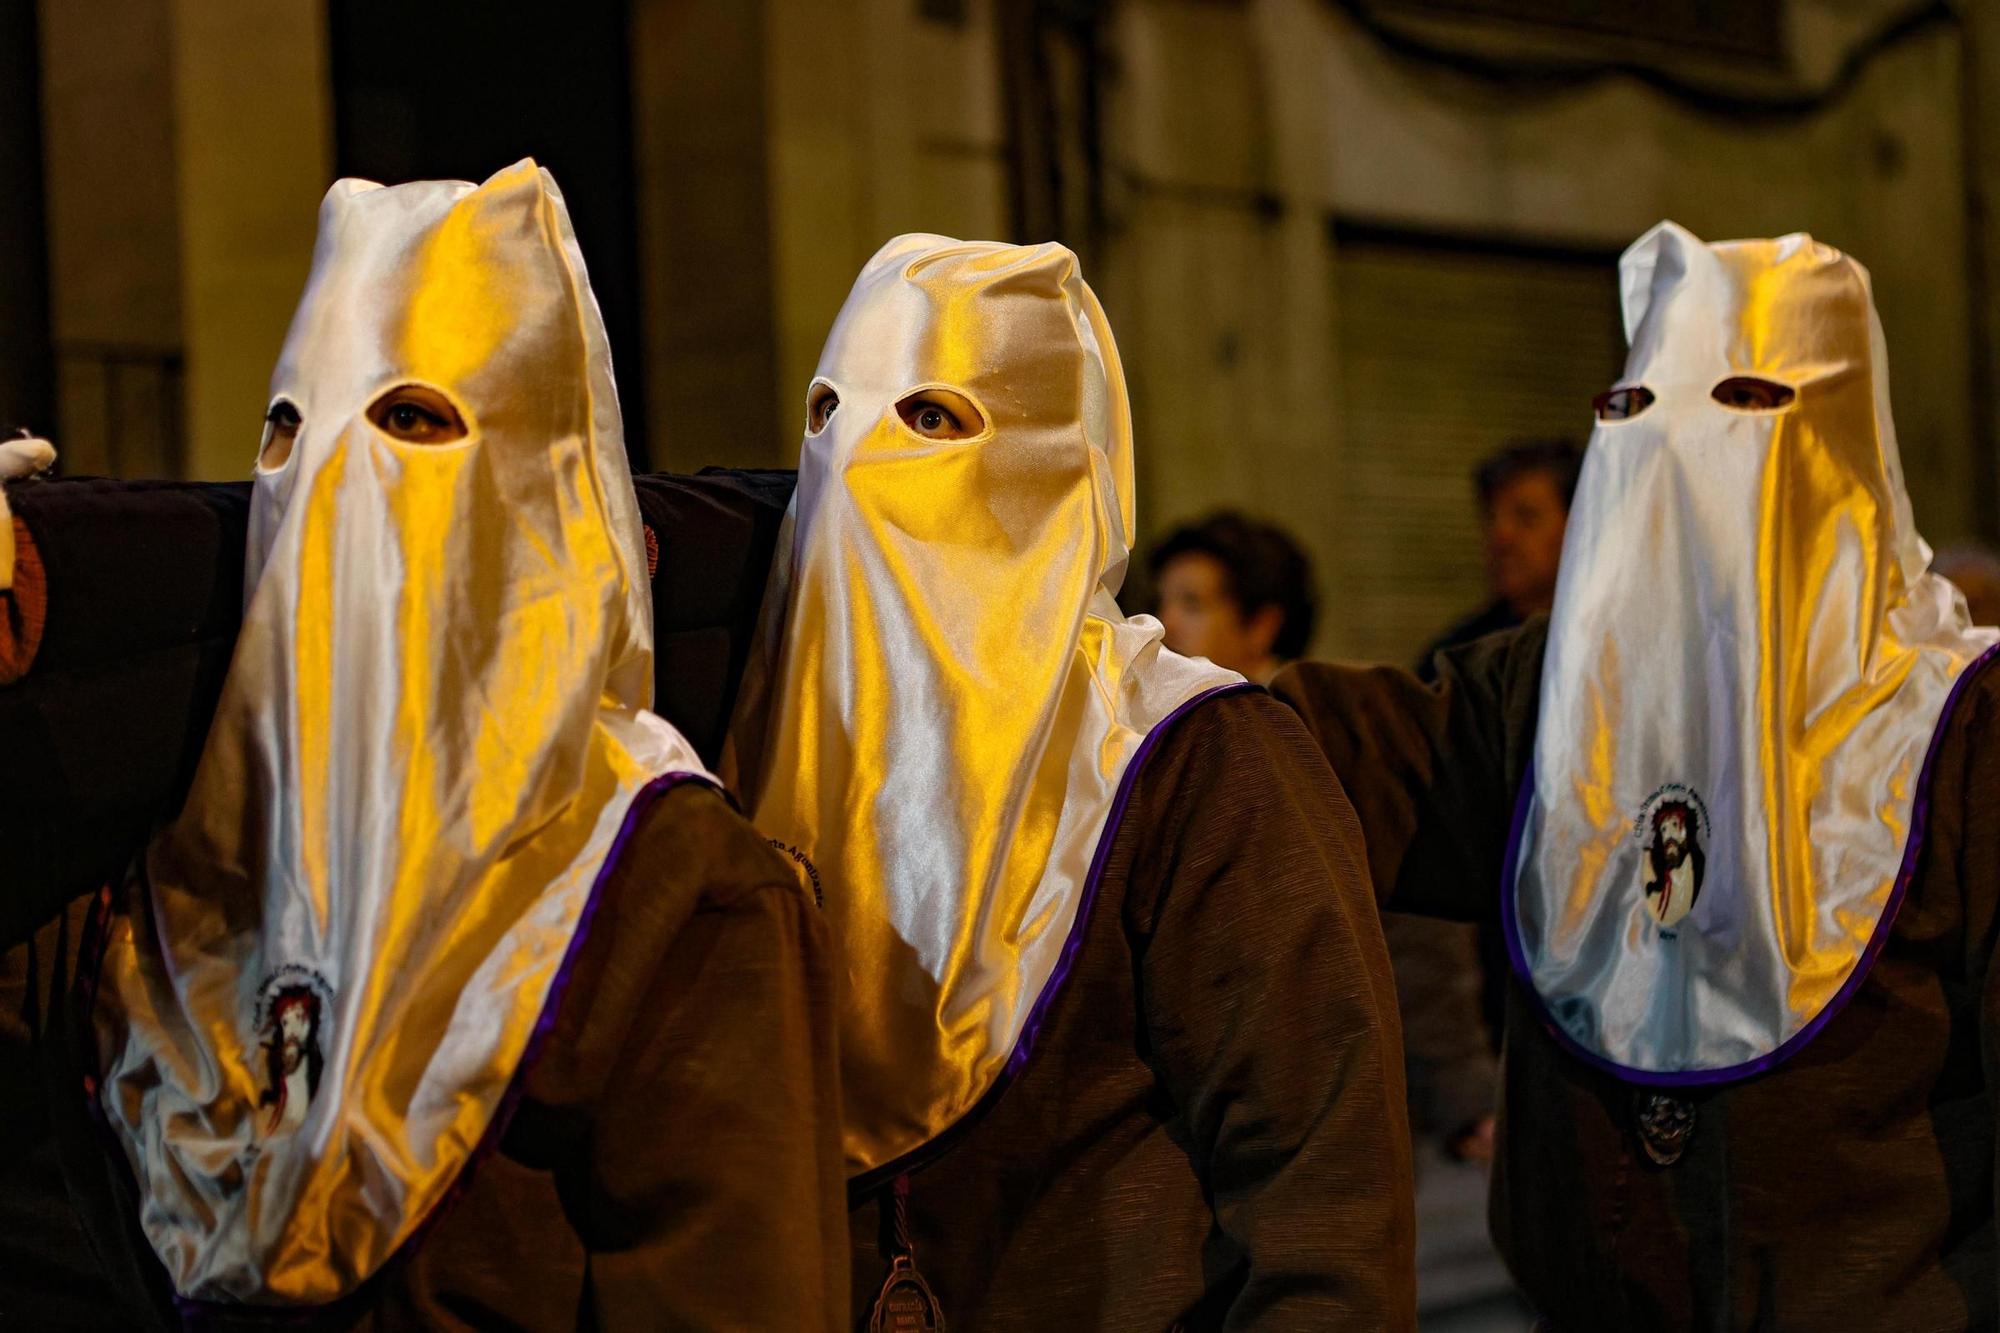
<point x="1852" y="1187"/>
<point x="1210" y="1132"/>
<point x="675" y="1160"/>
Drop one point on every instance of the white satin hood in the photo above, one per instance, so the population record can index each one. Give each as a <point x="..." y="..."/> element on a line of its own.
<point x="328" y="970"/>
<point x="950" y="701"/>
<point x="1747" y="664"/>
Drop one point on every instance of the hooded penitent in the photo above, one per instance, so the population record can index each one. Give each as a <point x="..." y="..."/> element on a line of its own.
<point x="1747" y="664"/>
<point x="953" y="704"/>
<point x="329" y="969"/>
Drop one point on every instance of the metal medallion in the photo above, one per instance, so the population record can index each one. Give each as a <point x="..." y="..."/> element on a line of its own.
<point x="1665" y="1124"/>
<point x="906" y="1304"/>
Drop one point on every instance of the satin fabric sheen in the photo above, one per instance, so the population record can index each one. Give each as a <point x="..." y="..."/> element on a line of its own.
<point x="432" y="729"/>
<point x="949" y="694"/>
<point x="1744" y="624"/>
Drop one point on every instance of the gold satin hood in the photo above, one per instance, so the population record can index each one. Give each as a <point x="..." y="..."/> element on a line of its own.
<point x="950" y="701"/>
<point x="325" y="974"/>
<point x="1747" y="664"/>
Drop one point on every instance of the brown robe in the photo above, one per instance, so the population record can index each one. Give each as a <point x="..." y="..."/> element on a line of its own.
<point x="1210" y="1132"/>
<point x="675" y="1159"/>
<point x="1851" y="1188"/>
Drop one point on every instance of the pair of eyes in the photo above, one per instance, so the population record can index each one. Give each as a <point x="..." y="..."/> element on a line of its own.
<point x="412" y="413"/>
<point x="1738" y="393"/>
<point x="935" y="414"/>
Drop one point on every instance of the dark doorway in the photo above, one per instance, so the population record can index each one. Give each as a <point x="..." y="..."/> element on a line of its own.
<point x="457" y="89"/>
<point x="27" y="362"/>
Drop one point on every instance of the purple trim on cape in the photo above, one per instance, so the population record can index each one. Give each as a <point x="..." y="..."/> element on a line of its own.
<point x="195" y="1312"/>
<point x="1694" y="1078"/>
<point x="1024" y="1045"/>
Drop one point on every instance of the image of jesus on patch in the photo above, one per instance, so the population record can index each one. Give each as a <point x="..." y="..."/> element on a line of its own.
<point x="1674" y="863"/>
<point x="292" y="1058"/>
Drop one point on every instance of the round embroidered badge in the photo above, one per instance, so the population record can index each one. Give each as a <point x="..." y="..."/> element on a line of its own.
<point x="1671" y="830"/>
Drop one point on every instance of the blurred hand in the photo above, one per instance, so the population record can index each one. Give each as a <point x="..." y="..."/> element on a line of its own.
<point x="1474" y="1143"/>
<point x="18" y="458"/>
<point x="24" y="457"/>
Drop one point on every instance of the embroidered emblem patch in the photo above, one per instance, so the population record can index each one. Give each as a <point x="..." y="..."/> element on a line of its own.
<point x="294" y="1011"/>
<point x="1671" y="829"/>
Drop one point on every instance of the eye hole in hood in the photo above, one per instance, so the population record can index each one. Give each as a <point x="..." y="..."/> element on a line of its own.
<point x="417" y="414"/>
<point x="1622" y="403"/>
<point x="1749" y="393"/>
<point x="281" y="432"/>
<point x="821" y="403"/>
<point x="940" y="414"/>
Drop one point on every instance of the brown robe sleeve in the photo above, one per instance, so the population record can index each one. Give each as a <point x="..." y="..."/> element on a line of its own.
<point x="140" y="588"/>
<point x="1978" y="868"/>
<point x="23" y="607"/>
<point x="1269" y="1009"/>
<point x="692" y="1088"/>
<point x="1433" y="770"/>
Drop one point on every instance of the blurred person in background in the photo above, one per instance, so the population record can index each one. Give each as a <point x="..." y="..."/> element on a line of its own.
<point x="1976" y="572"/>
<point x="1524" y="493"/>
<point x="1236" y="591"/>
<point x="1452" y="1030"/>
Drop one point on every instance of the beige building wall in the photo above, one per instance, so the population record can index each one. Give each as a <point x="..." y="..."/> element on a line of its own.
<point x="1236" y="135"/>
<point x="113" y="232"/>
<point x="881" y="122"/>
<point x="1222" y="258"/>
<point x="187" y="144"/>
<point x="699" y="109"/>
<point x="254" y="152"/>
